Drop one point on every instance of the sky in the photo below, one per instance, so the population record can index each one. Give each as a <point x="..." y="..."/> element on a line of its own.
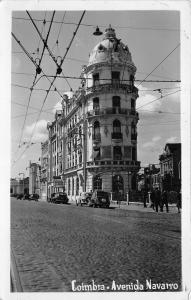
<point x="153" y="39"/>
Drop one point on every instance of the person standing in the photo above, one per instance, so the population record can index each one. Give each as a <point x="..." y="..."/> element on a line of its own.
<point x="145" y="195"/>
<point x="152" y="197"/>
<point x="164" y="200"/>
<point x="157" y="199"/>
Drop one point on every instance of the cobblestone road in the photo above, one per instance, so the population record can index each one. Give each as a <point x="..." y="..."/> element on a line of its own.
<point x="55" y="244"/>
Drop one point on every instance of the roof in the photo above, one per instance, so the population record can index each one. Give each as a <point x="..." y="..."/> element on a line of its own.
<point x="109" y="47"/>
<point x="173" y="146"/>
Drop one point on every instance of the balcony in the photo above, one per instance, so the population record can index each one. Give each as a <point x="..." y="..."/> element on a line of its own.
<point x="111" y="87"/>
<point x="116" y="135"/>
<point x="113" y="163"/>
<point x="111" y="111"/>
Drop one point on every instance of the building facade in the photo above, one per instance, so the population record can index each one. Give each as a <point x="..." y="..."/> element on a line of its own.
<point x="19" y="186"/>
<point x="44" y="171"/>
<point x="170" y="167"/>
<point x="93" y="140"/>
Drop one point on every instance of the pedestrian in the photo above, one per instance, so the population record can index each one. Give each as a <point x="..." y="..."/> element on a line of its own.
<point x="179" y="201"/>
<point x="157" y="199"/>
<point x="164" y="200"/>
<point x="152" y="197"/>
<point x="145" y="195"/>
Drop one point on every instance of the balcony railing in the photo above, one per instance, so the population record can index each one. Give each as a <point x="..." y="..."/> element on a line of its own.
<point x="111" y="87"/>
<point x="110" y="111"/>
<point x="113" y="163"/>
<point x="116" y="135"/>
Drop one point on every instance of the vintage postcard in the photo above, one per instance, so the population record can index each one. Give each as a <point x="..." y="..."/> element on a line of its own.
<point x="98" y="188"/>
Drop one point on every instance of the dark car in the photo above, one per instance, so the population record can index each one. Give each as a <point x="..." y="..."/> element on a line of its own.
<point x="100" y="199"/>
<point x="20" y="196"/>
<point x="59" y="197"/>
<point x="84" y="198"/>
<point x="34" y="197"/>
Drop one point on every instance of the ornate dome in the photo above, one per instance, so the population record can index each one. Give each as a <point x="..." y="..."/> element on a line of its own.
<point x="110" y="49"/>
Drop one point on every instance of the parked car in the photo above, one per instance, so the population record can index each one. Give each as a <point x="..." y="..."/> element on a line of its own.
<point x="14" y="195"/>
<point x="26" y="197"/>
<point x="59" y="197"/>
<point x="34" y="197"/>
<point x="20" y="196"/>
<point x="83" y="198"/>
<point x="99" y="198"/>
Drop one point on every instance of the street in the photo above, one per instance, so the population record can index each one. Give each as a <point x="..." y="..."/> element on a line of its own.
<point x="68" y="248"/>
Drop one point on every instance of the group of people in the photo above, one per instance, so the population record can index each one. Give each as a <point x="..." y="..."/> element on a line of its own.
<point x="159" y="199"/>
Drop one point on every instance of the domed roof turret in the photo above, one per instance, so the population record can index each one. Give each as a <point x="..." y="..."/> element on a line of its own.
<point x="110" y="49"/>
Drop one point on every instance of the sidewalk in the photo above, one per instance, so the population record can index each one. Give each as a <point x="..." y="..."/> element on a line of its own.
<point x="138" y="206"/>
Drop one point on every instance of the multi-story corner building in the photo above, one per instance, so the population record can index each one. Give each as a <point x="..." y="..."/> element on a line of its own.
<point x="98" y="125"/>
<point x="34" y="178"/>
<point x="44" y="170"/>
<point x="170" y="161"/>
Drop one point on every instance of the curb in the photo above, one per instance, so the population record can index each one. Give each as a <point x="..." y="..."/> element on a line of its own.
<point x="15" y="278"/>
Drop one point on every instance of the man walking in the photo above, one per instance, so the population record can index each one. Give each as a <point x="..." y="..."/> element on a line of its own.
<point x="164" y="200"/>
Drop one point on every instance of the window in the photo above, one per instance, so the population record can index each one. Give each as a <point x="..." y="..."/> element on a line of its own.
<point x="117" y="183"/>
<point x="96" y="153"/>
<point x="68" y="186"/>
<point x="133" y="153"/>
<point x="72" y="186"/>
<point x="97" y="183"/>
<point x="96" y="79"/>
<point x="132" y="103"/>
<point x="77" y="186"/>
<point x="116" y="126"/>
<point x="115" y="76"/>
<point x="116" y="101"/>
<point x="117" y="154"/>
<point x="96" y="103"/>
<point x="96" y="131"/>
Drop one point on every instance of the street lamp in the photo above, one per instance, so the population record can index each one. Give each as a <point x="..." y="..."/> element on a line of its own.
<point x="23" y="180"/>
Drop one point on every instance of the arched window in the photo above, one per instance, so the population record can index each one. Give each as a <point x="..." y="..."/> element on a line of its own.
<point x="116" y="101"/>
<point x="97" y="183"/>
<point x="96" y="103"/>
<point x="134" y="182"/>
<point x="96" y="132"/>
<point x="68" y="186"/>
<point x="117" y="183"/>
<point x="116" y="126"/>
<point x="117" y="154"/>
<point x="72" y="186"/>
<point x="77" y="186"/>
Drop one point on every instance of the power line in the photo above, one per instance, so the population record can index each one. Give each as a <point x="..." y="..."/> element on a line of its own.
<point x="51" y="86"/>
<point x="159" y="64"/>
<point x="158" y="98"/>
<point x="104" y="26"/>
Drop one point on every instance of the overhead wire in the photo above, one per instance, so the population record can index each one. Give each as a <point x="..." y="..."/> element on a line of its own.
<point x="34" y="128"/>
<point x="93" y="25"/>
<point x="159" y="64"/>
<point x="162" y="96"/>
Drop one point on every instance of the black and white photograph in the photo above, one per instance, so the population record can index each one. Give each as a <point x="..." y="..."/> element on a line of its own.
<point x="99" y="180"/>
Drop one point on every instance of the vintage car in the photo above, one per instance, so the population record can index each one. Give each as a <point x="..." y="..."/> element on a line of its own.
<point x="59" y="197"/>
<point x="83" y="198"/>
<point x="99" y="198"/>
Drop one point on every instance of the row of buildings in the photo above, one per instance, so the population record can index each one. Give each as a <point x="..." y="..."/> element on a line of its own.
<point x="92" y="141"/>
